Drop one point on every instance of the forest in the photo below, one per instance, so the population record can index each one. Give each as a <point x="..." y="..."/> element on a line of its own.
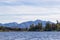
<point x="38" y="27"/>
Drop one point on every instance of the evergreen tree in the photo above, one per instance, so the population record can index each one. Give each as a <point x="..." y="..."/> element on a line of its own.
<point x="38" y="27"/>
<point x="53" y="27"/>
<point x="32" y="27"/>
<point x="58" y="26"/>
<point x="48" y="27"/>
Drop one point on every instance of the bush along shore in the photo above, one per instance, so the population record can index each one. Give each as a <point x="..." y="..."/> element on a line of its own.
<point x="38" y="27"/>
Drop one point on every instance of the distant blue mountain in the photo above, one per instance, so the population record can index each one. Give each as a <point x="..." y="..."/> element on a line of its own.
<point x="24" y="24"/>
<point x="13" y="24"/>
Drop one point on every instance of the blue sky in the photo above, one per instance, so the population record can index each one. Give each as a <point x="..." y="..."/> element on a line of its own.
<point x="29" y="10"/>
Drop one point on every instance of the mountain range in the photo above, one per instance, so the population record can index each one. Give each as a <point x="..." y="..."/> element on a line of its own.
<point x="24" y="24"/>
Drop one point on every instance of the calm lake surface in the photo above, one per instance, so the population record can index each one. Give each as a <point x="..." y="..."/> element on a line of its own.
<point x="29" y="35"/>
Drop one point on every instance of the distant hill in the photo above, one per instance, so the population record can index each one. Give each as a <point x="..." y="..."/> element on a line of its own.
<point x="24" y="24"/>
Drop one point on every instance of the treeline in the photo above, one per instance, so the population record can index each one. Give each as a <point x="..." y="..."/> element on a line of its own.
<point x="39" y="27"/>
<point x="48" y="27"/>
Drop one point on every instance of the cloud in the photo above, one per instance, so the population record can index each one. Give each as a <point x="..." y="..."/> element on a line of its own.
<point x="30" y="2"/>
<point x="20" y="19"/>
<point x="29" y="10"/>
<point x="28" y="13"/>
<point x="8" y="0"/>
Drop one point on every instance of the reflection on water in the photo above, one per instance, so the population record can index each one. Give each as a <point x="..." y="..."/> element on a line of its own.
<point x="29" y="35"/>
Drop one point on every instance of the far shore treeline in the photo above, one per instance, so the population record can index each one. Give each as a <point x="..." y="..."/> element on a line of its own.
<point x="38" y="27"/>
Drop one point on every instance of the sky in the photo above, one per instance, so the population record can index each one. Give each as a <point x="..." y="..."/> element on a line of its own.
<point x="29" y="10"/>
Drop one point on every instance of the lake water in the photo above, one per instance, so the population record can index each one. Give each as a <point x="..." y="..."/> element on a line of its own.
<point x="29" y="35"/>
